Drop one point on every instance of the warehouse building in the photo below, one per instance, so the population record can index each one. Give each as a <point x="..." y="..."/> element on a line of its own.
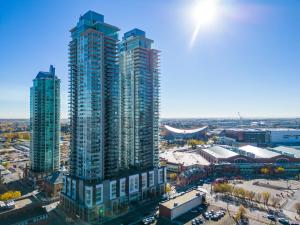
<point x="175" y="207"/>
<point x="265" y="136"/>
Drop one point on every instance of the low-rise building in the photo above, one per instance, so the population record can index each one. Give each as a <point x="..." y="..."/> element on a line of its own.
<point x="31" y="215"/>
<point x="53" y="184"/>
<point x="175" y="207"/>
<point x="187" y="166"/>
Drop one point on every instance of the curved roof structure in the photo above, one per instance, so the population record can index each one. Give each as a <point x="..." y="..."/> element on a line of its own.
<point x="181" y="131"/>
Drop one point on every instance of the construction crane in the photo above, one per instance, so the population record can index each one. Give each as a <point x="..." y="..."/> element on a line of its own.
<point x="241" y="119"/>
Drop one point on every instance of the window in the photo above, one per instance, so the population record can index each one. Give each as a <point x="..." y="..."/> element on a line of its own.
<point x="99" y="194"/>
<point x="113" y="189"/>
<point x="88" y="196"/>
<point x="144" y="180"/>
<point x="122" y="187"/>
<point x="74" y="189"/>
<point x="160" y="176"/>
<point x="134" y="183"/>
<point x="151" y="178"/>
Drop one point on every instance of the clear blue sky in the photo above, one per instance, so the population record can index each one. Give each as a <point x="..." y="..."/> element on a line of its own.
<point x="247" y="62"/>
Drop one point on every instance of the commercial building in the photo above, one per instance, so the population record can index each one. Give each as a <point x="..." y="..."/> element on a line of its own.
<point x="248" y="160"/>
<point x="45" y="124"/>
<point x="103" y="179"/>
<point x="33" y="214"/>
<point x="265" y="136"/>
<point x="185" y="166"/>
<point x="259" y="137"/>
<point x="284" y="136"/>
<point x="175" y="207"/>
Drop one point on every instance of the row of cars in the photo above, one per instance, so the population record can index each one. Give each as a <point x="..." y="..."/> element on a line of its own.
<point x="281" y="220"/>
<point x="148" y="220"/>
<point x="214" y="215"/>
<point x="10" y="204"/>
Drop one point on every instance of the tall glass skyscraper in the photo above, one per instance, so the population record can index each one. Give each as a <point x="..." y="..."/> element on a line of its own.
<point x="139" y="68"/>
<point x="45" y="124"/>
<point x="94" y="98"/>
<point x="103" y="180"/>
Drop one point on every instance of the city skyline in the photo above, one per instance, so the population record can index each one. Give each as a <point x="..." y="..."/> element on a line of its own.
<point x="248" y="62"/>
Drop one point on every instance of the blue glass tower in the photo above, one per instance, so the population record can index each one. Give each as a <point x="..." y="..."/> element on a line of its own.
<point x="139" y="68"/>
<point x="45" y="123"/>
<point x="103" y="181"/>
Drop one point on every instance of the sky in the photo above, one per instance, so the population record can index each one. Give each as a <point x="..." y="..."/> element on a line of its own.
<point x="247" y="60"/>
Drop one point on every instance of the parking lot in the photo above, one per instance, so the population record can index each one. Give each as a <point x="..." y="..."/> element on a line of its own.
<point x="287" y="191"/>
<point x="204" y="215"/>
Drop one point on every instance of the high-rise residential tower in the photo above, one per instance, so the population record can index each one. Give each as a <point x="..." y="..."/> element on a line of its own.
<point x="45" y="124"/>
<point x="100" y="184"/>
<point x="139" y="69"/>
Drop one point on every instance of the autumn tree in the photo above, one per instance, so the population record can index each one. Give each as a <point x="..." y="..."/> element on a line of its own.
<point x="265" y="170"/>
<point x="241" y="213"/>
<point x="266" y="197"/>
<point x="10" y="195"/>
<point x="251" y="195"/>
<point x="279" y="169"/>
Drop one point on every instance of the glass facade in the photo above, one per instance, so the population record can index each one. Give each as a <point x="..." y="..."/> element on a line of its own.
<point x="45" y="122"/>
<point x="139" y="69"/>
<point x="94" y="98"/>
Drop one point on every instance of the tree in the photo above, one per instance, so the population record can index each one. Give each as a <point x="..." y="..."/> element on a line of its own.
<point x="297" y="207"/>
<point x="241" y="213"/>
<point x="266" y="197"/>
<point x="168" y="188"/>
<point x="279" y="169"/>
<point x="258" y="197"/>
<point x="265" y="170"/>
<point x="10" y="195"/>
<point x="242" y="193"/>
<point x="275" y="201"/>
<point x="251" y="195"/>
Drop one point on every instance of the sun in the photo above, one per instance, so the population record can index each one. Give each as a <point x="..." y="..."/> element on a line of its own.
<point x="204" y="13"/>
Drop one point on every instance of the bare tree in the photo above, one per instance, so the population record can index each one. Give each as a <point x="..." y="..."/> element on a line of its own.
<point x="297" y="207"/>
<point x="258" y="197"/>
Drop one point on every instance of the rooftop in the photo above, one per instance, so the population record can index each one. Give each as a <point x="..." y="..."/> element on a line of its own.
<point x="55" y="178"/>
<point x="184" y="158"/>
<point x="293" y="152"/>
<point x="180" y="200"/>
<point x="220" y="152"/>
<point x="18" y="215"/>
<point x="259" y="152"/>
<point x="183" y="131"/>
<point x="134" y="32"/>
<point x="44" y="75"/>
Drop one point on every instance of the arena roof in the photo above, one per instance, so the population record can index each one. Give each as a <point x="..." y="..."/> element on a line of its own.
<point x="220" y="152"/>
<point x="183" y="131"/>
<point x="259" y="152"/>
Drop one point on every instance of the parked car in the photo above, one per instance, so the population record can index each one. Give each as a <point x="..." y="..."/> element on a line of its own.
<point x="271" y="217"/>
<point x="283" y="220"/>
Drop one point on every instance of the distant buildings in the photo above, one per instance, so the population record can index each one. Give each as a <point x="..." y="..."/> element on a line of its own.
<point x="190" y="165"/>
<point x="180" y="136"/>
<point x="45" y="124"/>
<point x="265" y="136"/>
<point x="109" y="109"/>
